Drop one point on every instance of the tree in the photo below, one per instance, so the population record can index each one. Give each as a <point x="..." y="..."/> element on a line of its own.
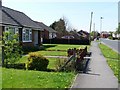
<point x="60" y="26"/>
<point x="94" y="34"/>
<point x="12" y="51"/>
<point x="118" y="29"/>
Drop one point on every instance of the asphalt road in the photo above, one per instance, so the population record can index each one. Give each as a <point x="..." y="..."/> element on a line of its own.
<point x="114" y="44"/>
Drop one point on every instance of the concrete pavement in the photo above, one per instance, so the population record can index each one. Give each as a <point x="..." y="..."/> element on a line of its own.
<point x="99" y="74"/>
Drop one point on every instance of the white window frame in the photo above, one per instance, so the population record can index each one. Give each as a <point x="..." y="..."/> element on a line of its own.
<point x="24" y="35"/>
<point x="16" y="30"/>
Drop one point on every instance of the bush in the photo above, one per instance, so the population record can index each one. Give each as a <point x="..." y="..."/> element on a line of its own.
<point x="61" y="61"/>
<point x="37" y="62"/>
<point x="15" y="66"/>
<point x="12" y="51"/>
<point x="110" y="37"/>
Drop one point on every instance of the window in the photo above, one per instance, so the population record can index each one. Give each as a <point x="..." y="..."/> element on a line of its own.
<point x="27" y="35"/>
<point x="12" y="31"/>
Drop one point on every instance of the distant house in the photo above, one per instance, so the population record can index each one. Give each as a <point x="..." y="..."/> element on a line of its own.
<point x="83" y="34"/>
<point x="18" y="22"/>
<point x="105" y="34"/>
<point x="117" y="36"/>
<point x="48" y="32"/>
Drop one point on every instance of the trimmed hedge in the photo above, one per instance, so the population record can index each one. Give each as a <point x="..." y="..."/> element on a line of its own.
<point x="27" y="49"/>
<point x="15" y="66"/>
<point x="37" y="62"/>
<point x="66" y="41"/>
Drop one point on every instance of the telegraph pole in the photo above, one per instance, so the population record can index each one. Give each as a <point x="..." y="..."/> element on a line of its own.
<point x="90" y="27"/>
<point x="100" y="27"/>
<point x="94" y="30"/>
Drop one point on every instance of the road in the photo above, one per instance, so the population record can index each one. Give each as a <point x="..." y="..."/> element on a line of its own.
<point x="114" y="44"/>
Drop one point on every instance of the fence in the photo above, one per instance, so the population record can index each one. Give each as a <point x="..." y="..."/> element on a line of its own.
<point x="78" y="56"/>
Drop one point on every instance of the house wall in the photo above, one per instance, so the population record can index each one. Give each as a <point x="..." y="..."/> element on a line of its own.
<point x="27" y="44"/>
<point x="40" y="36"/>
<point x="45" y="34"/>
<point x="20" y="37"/>
<point x="33" y="39"/>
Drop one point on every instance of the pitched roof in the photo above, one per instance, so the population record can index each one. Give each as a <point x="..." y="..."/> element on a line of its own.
<point x="7" y="20"/>
<point x="46" y="27"/>
<point x="81" y="32"/>
<point x="18" y="18"/>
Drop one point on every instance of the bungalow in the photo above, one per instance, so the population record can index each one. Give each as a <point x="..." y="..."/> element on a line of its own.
<point x="83" y="34"/>
<point x="48" y="32"/>
<point x="18" y="22"/>
<point x="104" y="34"/>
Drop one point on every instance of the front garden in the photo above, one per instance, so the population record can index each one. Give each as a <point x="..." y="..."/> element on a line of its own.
<point x="20" y="78"/>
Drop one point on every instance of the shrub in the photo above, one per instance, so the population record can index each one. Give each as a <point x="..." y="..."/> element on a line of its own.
<point x="12" y="50"/>
<point x="110" y="37"/>
<point x="16" y="66"/>
<point x="37" y="62"/>
<point x="61" y="61"/>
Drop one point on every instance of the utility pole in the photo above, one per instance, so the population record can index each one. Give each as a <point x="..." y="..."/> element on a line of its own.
<point x="90" y="27"/>
<point x="100" y="27"/>
<point x="94" y="30"/>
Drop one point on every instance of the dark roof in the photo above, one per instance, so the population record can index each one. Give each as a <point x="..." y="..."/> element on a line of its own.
<point x="7" y="20"/>
<point x="81" y="32"/>
<point x="17" y="18"/>
<point x="45" y="27"/>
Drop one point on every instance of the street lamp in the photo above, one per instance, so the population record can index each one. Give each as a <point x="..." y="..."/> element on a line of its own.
<point x="100" y="26"/>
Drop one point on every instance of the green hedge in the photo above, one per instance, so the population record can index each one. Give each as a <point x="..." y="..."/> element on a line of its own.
<point x="15" y="66"/>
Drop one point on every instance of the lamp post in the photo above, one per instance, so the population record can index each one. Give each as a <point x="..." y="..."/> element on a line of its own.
<point x="90" y="27"/>
<point x="100" y="27"/>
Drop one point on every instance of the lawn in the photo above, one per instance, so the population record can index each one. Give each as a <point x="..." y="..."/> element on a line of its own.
<point x="0" y="53"/>
<point x="53" y="53"/>
<point x="0" y="67"/>
<point x="13" y="78"/>
<point x="113" y="58"/>
<point x="61" y="46"/>
<point x="35" y="79"/>
<point x="58" y="49"/>
<point x="54" y="50"/>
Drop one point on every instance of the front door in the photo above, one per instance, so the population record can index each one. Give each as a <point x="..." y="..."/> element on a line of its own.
<point x="35" y="38"/>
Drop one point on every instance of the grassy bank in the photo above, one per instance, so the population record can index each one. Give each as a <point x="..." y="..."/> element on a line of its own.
<point x="113" y="59"/>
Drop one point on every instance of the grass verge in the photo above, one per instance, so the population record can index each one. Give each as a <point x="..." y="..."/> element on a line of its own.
<point x="113" y="59"/>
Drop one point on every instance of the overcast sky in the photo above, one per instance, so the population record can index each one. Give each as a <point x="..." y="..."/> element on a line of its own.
<point x="76" y="12"/>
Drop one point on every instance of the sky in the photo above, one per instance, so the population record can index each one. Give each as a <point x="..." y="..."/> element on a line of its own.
<point x="77" y="13"/>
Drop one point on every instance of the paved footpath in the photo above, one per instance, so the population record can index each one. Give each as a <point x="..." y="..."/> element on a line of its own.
<point x="99" y="74"/>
